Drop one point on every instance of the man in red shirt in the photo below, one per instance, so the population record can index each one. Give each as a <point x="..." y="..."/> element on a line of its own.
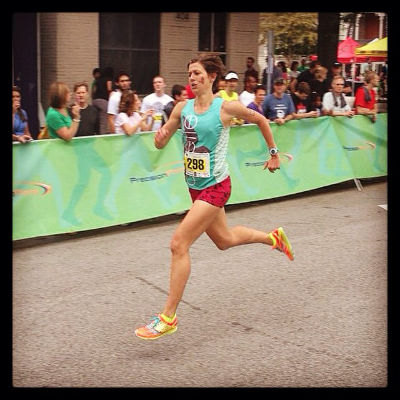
<point x="364" y="102"/>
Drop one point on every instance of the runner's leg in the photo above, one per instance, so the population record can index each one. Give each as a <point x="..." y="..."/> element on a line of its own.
<point x="225" y="237"/>
<point x="196" y="221"/>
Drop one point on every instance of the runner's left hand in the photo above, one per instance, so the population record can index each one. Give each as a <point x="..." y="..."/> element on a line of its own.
<point x="272" y="164"/>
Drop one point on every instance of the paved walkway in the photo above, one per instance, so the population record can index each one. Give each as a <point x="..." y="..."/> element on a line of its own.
<point x="249" y="318"/>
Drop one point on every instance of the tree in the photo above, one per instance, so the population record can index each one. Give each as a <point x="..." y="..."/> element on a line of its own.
<point x="294" y="33"/>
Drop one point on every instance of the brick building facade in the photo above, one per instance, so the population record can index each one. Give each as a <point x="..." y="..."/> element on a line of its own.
<point x="69" y="46"/>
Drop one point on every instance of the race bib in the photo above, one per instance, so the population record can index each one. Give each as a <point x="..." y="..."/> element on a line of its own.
<point x="197" y="164"/>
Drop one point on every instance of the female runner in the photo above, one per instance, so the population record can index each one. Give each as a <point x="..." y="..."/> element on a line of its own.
<point x="205" y="122"/>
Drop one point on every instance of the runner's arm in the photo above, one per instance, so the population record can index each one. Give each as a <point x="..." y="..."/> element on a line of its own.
<point x="238" y="110"/>
<point x="166" y="131"/>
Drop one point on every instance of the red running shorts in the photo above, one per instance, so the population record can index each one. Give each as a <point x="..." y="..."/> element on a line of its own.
<point x="216" y="195"/>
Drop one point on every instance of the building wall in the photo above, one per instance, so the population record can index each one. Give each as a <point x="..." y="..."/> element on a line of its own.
<point x="69" y="46"/>
<point x="178" y="44"/>
<point x="69" y="49"/>
<point x="242" y="42"/>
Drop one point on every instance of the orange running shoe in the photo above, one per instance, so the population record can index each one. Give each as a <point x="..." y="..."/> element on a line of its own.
<point x="281" y="242"/>
<point x="158" y="327"/>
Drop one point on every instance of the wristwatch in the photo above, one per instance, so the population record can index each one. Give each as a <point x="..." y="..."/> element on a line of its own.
<point x="273" y="151"/>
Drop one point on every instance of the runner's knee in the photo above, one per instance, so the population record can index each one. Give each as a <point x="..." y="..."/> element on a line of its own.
<point x="178" y="246"/>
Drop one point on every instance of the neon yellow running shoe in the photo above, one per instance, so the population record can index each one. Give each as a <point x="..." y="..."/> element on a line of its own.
<point x="281" y="242"/>
<point x="158" y="327"/>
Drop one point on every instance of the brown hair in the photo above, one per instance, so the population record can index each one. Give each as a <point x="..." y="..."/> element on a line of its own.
<point x="58" y="94"/>
<point x="212" y="64"/>
<point x="127" y="101"/>
<point x="303" y="87"/>
<point x="19" y="111"/>
<point x="79" y="84"/>
<point x="369" y="75"/>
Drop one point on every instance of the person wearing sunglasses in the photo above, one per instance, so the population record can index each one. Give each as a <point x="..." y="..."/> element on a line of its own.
<point x="334" y="102"/>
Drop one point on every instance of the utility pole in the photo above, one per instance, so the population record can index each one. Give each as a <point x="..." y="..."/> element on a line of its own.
<point x="270" y="57"/>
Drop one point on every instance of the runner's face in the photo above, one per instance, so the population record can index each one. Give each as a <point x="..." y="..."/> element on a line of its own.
<point x="199" y="80"/>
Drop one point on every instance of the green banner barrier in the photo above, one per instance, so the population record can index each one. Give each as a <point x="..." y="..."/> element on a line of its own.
<point x="99" y="181"/>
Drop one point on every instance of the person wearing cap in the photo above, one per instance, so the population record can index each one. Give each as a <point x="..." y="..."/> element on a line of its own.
<point x="229" y="93"/>
<point x="278" y="106"/>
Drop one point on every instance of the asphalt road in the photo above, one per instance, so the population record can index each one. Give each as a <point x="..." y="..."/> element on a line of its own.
<point x="249" y="316"/>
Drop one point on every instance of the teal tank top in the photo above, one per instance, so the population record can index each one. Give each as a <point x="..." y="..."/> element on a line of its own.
<point x="205" y="145"/>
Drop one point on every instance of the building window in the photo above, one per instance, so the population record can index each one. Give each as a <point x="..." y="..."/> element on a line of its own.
<point x="212" y="33"/>
<point x="130" y="42"/>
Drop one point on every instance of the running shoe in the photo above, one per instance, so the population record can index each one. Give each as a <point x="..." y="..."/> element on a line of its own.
<point x="281" y="242"/>
<point x="157" y="327"/>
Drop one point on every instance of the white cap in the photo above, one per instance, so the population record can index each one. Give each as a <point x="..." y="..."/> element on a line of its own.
<point x="231" y="75"/>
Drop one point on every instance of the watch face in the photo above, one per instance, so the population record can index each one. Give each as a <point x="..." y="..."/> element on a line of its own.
<point x="273" y="151"/>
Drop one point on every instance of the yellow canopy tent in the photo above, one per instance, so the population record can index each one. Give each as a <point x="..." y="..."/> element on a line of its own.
<point x="376" y="48"/>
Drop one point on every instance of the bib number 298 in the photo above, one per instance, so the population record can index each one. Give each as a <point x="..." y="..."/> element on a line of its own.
<point x="197" y="164"/>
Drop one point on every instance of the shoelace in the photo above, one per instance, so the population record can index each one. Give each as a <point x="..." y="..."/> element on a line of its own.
<point x="155" y="320"/>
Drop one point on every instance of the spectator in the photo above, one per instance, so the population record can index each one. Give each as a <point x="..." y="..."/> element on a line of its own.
<point x="259" y="96"/>
<point x="282" y="66"/>
<point x="278" y="106"/>
<point x="129" y="120"/>
<point x="306" y="76"/>
<point x="383" y="81"/>
<point x="334" y="102"/>
<point x="156" y="101"/>
<point x="336" y="69"/>
<point x="247" y="96"/>
<point x="178" y="93"/>
<point x="365" y="102"/>
<point x="96" y="73"/>
<point x="276" y="73"/>
<point x="123" y="82"/>
<point x="101" y="90"/>
<point x="293" y="73"/>
<point x="301" y="101"/>
<point x="89" y="124"/>
<point x="58" y="120"/>
<point x="250" y="71"/>
<point x="316" y="102"/>
<point x="220" y="85"/>
<point x="189" y="92"/>
<point x="303" y="65"/>
<point x="320" y="84"/>
<point x="20" y="132"/>
<point x="229" y="93"/>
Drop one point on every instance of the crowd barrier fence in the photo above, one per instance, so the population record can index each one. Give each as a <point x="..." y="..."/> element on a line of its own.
<point x="99" y="181"/>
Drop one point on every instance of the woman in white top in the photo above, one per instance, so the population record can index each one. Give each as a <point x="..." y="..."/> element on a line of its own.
<point x="129" y="120"/>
